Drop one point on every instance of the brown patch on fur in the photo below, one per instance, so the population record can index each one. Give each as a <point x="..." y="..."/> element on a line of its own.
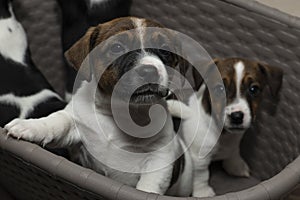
<point x="216" y="99"/>
<point x="150" y="23"/>
<point x="79" y="51"/>
<point x="108" y="80"/>
<point x="273" y="77"/>
<point x="118" y="31"/>
<point x="254" y="107"/>
<point x="114" y="27"/>
<point x="107" y="76"/>
<point x="255" y="73"/>
<point x="93" y="37"/>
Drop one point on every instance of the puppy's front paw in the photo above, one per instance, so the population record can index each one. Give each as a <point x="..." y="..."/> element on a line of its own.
<point x="236" y="167"/>
<point x="28" y="129"/>
<point x="150" y="188"/>
<point x="205" y="191"/>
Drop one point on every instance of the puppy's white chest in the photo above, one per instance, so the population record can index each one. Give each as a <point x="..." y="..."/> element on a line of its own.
<point x="200" y="130"/>
<point x="88" y="160"/>
<point x="112" y="134"/>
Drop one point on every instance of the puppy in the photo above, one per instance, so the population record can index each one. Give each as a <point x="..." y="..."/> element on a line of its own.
<point x="78" y="16"/>
<point x="61" y="128"/>
<point x="244" y="82"/>
<point x="24" y="92"/>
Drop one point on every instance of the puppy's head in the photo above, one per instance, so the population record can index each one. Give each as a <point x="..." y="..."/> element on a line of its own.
<point x="124" y="50"/>
<point x="244" y="81"/>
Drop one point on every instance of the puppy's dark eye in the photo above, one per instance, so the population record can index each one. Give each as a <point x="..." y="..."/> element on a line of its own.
<point x="219" y="90"/>
<point x="254" y="90"/>
<point x="117" y="48"/>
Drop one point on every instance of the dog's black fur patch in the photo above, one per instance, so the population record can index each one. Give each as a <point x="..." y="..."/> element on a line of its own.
<point x="4" y="9"/>
<point x="78" y="16"/>
<point x="22" y="80"/>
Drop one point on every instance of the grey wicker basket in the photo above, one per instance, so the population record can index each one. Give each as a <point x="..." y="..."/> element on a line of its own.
<point x="226" y="28"/>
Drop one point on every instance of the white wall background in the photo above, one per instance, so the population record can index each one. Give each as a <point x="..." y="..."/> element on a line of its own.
<point x="289" y="6"/>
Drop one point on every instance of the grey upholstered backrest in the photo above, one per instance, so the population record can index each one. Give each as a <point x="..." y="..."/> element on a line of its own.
<point x="42" y="22"/>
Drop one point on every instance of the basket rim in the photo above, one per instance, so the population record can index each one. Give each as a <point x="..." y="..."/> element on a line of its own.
<point x="88" y="179"/>
<point x="267" y="11"/>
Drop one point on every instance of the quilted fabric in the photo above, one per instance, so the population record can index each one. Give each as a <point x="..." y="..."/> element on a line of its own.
<point x="226" y="30"/>
<point x="41" y="21"/>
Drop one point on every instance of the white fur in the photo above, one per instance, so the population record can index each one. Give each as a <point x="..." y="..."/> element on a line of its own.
<point x="59" y="127"/>
<point x="13" y="44"/>
<point x="179" y="109"/>
<point x="183" y="186"/>
<point x="239" y="103"/>
<point x="203" y="144"/>
<point x="138" y="23"/>
<point x="68" y="96"/>
<point x="229" y="150"/>
<point x="239" y="72"/>
<point x="26" y="104"/>
<point x="148" y="59"/>
<point x="198" y="131"/>
<point x="207" y="145"/>
<point x="56" y="126"/>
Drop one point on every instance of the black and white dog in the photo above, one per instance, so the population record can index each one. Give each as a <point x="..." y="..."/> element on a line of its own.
<point x="108" y="148"/>
<point x="244" y="83"/>
<point x="78" y="16"/>
<point x="24" y="91"/>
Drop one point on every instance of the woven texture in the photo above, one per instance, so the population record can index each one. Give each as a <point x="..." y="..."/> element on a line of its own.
<point x="35" y="184"/>
<point x="226" y="30"/>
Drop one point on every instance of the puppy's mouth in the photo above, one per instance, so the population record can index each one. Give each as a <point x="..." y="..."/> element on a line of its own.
<point x="149" y="94"/>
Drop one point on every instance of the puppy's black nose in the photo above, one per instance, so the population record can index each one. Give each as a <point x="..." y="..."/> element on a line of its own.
<point x="237" y="117"/>
<point x="148" y="73"/>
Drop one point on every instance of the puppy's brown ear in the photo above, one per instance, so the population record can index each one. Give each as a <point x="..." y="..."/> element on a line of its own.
<point x="273" y="77"/>
<point x="80" y="50"/>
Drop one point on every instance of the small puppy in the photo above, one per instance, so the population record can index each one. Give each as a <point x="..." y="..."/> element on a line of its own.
<point x="24" y="92"/>
<point x="61" y="128"/>
<point x="244" y="82"/>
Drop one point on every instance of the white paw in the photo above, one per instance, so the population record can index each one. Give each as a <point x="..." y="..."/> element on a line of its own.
<point x="28" y="129"/>
<point x="205" y="191"/>
<point x="237" y="167"/>
<point x="150" y="187"/>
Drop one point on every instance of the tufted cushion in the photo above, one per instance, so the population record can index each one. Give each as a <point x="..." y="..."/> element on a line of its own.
<point x="226" y="30"/>
<point x="41" y="20"/>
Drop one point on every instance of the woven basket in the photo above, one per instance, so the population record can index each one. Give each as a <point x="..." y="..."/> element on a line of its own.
<point x="226" y="28"/>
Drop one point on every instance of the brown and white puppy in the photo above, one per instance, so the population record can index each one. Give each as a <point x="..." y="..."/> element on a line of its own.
<point x="150" y="64"/>
<point x="244" y="81"/>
